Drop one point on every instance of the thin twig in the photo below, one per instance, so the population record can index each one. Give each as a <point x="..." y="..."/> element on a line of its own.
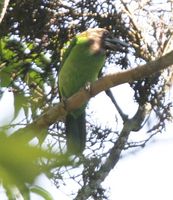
<point x="122" y="114"/>
<point x="3" y="8"/>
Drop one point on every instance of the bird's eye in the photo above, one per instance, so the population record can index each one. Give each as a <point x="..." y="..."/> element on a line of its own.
<point x="107" y="34"/>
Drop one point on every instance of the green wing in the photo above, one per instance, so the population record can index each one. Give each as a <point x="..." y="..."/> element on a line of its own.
<point x="65" y="52"/>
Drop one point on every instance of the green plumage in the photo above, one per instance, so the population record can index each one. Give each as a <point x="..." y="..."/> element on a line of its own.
<point x="82" y="61"/>
<point x="80" y="66"/>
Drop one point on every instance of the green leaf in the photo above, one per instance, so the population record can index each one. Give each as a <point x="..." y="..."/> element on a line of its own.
<point x="19" y="161"/>
<point x="15" y="62"/>
<point x="42" y="192"/>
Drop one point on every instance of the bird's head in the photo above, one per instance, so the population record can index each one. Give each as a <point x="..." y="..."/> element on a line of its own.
<point x="101" y="40"/>
<point x="114" y="44"/>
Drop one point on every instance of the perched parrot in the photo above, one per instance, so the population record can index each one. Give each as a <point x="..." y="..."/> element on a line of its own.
<point x="82" y="62"/>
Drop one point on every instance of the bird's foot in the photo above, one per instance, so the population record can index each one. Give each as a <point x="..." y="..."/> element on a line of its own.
<point x="88" y="87"/>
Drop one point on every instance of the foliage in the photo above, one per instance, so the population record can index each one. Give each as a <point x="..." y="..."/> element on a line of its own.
<point x="19" y="165"/>
<point x="32" y="36"/>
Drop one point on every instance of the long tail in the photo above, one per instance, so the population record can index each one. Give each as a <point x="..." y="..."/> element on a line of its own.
<point x="75" y="134"/>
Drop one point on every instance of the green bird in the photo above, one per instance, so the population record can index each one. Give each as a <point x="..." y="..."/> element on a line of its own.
<point x="82" y="62"/>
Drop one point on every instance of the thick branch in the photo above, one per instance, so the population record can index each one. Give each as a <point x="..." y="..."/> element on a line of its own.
<point x="59" y="111"/>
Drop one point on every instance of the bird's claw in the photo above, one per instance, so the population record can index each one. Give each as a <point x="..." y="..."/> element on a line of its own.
<point x="88" y="87"/>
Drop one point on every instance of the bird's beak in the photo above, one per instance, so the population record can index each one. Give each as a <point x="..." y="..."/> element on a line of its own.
<point x="115" y="44"/>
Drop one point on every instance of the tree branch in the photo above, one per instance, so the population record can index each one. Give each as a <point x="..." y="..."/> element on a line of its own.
<point x="59" y="111"/>
<point x="99" y="176"/>
<point x="3" y="8"/>
<point x="122" y="114"/>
